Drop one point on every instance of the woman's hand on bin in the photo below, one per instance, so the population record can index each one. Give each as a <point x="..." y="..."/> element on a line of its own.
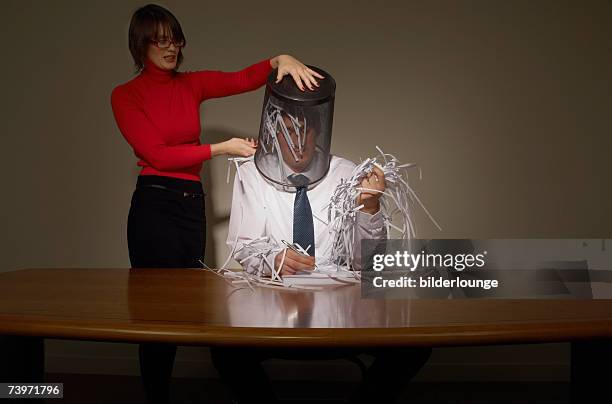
<point x="287" y="64"/>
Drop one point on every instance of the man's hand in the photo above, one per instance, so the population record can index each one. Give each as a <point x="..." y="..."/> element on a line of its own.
<point x="294" y="262"/>
<point x="374" y="181"/>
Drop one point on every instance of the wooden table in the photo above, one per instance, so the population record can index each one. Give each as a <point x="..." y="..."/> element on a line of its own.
<point x="195" y="307"/>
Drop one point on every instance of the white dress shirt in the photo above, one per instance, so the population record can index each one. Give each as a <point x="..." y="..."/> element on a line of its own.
<point x="260" y="208"/>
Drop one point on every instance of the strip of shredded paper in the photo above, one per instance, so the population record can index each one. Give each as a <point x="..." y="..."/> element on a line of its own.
<point x="396" y="203"/>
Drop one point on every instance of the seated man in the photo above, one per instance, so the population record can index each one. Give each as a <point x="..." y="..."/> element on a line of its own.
<point x="285" y="193"/>
<point x="288" y="197"/>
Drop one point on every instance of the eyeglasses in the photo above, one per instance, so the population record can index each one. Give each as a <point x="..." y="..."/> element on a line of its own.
<point x="165" y="43"/>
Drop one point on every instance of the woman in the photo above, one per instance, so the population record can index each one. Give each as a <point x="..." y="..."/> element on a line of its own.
<point x="158" y="114"/>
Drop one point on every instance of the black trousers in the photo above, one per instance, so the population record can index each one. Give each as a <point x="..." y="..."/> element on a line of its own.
<point x="166" y="229"/>
<point x="383" y="382"/>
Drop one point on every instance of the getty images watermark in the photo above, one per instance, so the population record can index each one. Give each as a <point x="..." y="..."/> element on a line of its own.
<point x="412" y="262"/>
<point x="498" y="268"/>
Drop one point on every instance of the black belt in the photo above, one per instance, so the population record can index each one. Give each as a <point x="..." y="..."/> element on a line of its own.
<point x="185" y="194"/>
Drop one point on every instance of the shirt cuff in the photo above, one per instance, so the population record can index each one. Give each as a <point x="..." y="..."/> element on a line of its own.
<point x="367" y="220"/>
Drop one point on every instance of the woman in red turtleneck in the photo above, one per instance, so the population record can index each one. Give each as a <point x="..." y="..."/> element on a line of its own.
<point x="158" y="114"/>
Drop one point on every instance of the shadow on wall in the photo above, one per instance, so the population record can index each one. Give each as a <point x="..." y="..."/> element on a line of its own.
<point x="214" y="220"/>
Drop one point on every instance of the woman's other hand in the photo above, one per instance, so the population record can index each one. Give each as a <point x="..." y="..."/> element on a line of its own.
<point x="299" y="71"/>
<point x="235" y="147"/>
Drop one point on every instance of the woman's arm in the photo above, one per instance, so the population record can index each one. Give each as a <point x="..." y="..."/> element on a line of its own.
<point x="148" y="143"/>
<point x="214" y="84"/>
<point x="235" y="146"/>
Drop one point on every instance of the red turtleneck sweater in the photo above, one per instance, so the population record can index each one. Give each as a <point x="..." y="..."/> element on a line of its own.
<point x="158" y="113"/>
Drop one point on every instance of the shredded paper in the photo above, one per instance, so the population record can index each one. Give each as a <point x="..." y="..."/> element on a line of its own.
<point x="396" y="204"/>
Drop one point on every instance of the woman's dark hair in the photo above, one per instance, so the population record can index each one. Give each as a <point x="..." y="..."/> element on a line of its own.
<point x="143" y="28"/>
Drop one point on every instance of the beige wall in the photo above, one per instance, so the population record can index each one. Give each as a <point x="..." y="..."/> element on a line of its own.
<point x="505" y="105"/>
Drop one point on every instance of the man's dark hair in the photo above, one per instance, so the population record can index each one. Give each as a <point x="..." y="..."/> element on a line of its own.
<point x="143" y="28"/>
